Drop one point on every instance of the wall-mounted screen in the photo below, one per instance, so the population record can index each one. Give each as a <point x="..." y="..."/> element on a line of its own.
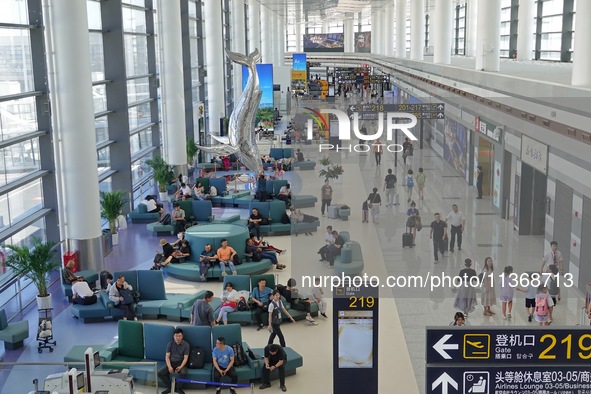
<point x="363" y="42"/>
<point x="332" y="42"/>
<point x="264" y="116"/>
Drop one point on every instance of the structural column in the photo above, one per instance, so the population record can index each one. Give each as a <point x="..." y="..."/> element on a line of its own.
<point x="280" y="40"/>
<point x="375" y="36"/>
<point x="417" y="29"/>
<point x="266" y="34"/>
<point x="349" y="35"/>
<point x="525" y="29"/>
<point x="298" y="28"/>
<point x="171" y="83"/>
<point x="73" y="129"/>
<point x="471" y="19"/>
<point x="388" y="24"/>
<point x="488" y="37"/>
<point x="582" y="50"/>
<point x="442" y="32"/>
<point x="401" y="28"/>
<point x="214" y="59"/>
<point x="254" y="26"/>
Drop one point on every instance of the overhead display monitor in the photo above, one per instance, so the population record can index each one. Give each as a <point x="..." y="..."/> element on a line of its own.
<point x="264" y="116"/>
<point x="332" y="42"/>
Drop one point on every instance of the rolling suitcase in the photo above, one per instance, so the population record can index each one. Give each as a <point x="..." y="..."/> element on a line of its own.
<point x="396" y="199"/>
<point x="333" y="212"/>
<point x="103" y="279"/>
<point x="407" y="240"/>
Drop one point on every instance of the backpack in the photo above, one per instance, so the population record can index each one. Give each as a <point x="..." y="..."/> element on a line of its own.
<point x="285" y="218"/>
<point x="239" y="355"/>
<point x="196" y="358"/>
<point x="276" y="317"/>
<point x="242" y="305"/>
<point x="237" y="260"/>
<point x="410" y="182"/>
<point x="421" y="178"/>
<point x="165" y="219"/>
<point x="213" y="191"/>
<point x="541" y="306"/>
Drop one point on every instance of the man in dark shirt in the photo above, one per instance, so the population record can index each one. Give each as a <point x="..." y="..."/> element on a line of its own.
<point x="275" y="358"/>
<point x="167" y="252"/>
<point x="406" y="147"/>
<point x="255" y="222"/>
<point x="202" y="312"/>
<point x="479" y="179"/>
<point x="334" y="250"/>
<point x="390" y="187"/>
<point x="177" y="357"/>
<point x="439" y="235"/>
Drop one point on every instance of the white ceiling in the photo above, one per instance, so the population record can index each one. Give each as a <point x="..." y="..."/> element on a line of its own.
<point x="321" y="10"/>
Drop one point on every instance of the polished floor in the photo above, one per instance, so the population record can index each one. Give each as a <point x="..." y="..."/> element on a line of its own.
<point x="404" y="312"/>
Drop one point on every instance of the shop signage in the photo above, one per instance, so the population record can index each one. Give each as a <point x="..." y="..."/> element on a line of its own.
<point x="534" y="153"/>
<point x="489" y="129"/>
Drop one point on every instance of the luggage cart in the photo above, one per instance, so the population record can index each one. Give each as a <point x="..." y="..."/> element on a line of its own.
<point x="45" y="331"/>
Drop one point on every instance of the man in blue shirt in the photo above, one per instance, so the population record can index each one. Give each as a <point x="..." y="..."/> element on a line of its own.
<point x="261" y="296"/>
<point x="223" y="363"/>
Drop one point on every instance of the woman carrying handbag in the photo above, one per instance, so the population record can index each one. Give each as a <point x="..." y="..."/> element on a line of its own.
<point x="374" y="202"/>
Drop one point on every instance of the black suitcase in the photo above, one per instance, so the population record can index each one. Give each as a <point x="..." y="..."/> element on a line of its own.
<point x="103" y="279"/>
<point x="407" y="240"/>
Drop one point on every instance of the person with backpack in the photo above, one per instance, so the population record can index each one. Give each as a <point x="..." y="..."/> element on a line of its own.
<point x="421" y="183"/>
<point x="275" y="319"/>
<point x="390" y="188"/>
<point x="544" y="305"/>
<point x="410" y="183"/>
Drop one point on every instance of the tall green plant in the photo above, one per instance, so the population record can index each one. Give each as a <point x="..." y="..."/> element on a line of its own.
<point x="111" y="204"/>
<point x="325" y="161"/>
<point x="332" y="172"/>
<point x="34" y="263"/>
<point x="162" y="171"/>
<point x="191" y="151"/>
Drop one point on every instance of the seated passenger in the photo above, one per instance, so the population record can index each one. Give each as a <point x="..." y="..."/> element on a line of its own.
<point x="285" y="195"/>
<point x="68" y="276"/>
<point x="229" y="303"/>
<point x="291" y="294"/>
<point x="334" y="250"/>
<point x="254" y="222"/>
<point x="299" y="155"/>
<point x="199" y="192"/>
<point x="184" y="190"/>
<point x="258" y="253"/>
<point x="152" y="206"/>
<point x="226" y="256"/>
<point x="178" y="215"/>
<point x="166" y="255"/>
<point x="82" y="294"/>
<point x="265" y="245"/>
<point x="183" y="253"/>
<point x="207" y="259"/>
<point x="226" y="162"/>
<point x="261" y="296"/>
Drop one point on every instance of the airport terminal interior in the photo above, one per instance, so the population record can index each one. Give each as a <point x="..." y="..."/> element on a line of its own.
<point x="478" y="108"/>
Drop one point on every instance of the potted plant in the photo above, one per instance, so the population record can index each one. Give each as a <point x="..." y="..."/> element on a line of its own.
<point x="191" y="151"/>
<point x="162" y="173"/>
<point x="331" y="172"/>
<point x="344" y="212"/>
<point x="35" y="263"/>
<point x="325" y="161"/>
<point x="111" y="205"/>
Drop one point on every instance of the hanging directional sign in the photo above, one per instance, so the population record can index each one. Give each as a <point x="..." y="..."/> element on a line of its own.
<point x="421" y="111"/>
<point x="518" y="379"/>
<point x="508" y="346"/>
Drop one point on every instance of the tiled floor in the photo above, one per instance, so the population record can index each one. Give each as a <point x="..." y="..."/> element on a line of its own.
<point x="404" y="313"/>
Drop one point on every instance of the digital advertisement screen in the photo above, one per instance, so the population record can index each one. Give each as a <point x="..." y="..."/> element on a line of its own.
<point x="355" y="339"/>
<point x="299" y="62"/>
<point x="264" y="116"/>
<point x="333" y="42"/>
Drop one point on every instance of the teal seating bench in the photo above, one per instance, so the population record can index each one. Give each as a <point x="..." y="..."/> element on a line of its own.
<point x="304" y="165"/>
<point x="13" y="334"/>
<point x="141" y="214"/>
<point x="159" y="228"/>
<point x="272" y="210"/>
<point x="350" y="262"/>
<point x="303" y="201"/>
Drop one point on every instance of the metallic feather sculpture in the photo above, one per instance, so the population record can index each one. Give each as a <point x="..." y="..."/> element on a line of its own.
<point x="241" y="138"/>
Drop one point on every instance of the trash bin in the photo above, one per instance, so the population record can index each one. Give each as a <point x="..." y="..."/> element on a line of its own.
<point x="107" y="242"/>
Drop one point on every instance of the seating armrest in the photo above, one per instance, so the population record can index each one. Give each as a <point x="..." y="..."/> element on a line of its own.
<point x="253" y="364"/>
<point x="111" y="352"/>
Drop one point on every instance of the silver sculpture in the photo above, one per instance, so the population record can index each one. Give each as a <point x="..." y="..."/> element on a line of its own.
<point x="241" y="138"/>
